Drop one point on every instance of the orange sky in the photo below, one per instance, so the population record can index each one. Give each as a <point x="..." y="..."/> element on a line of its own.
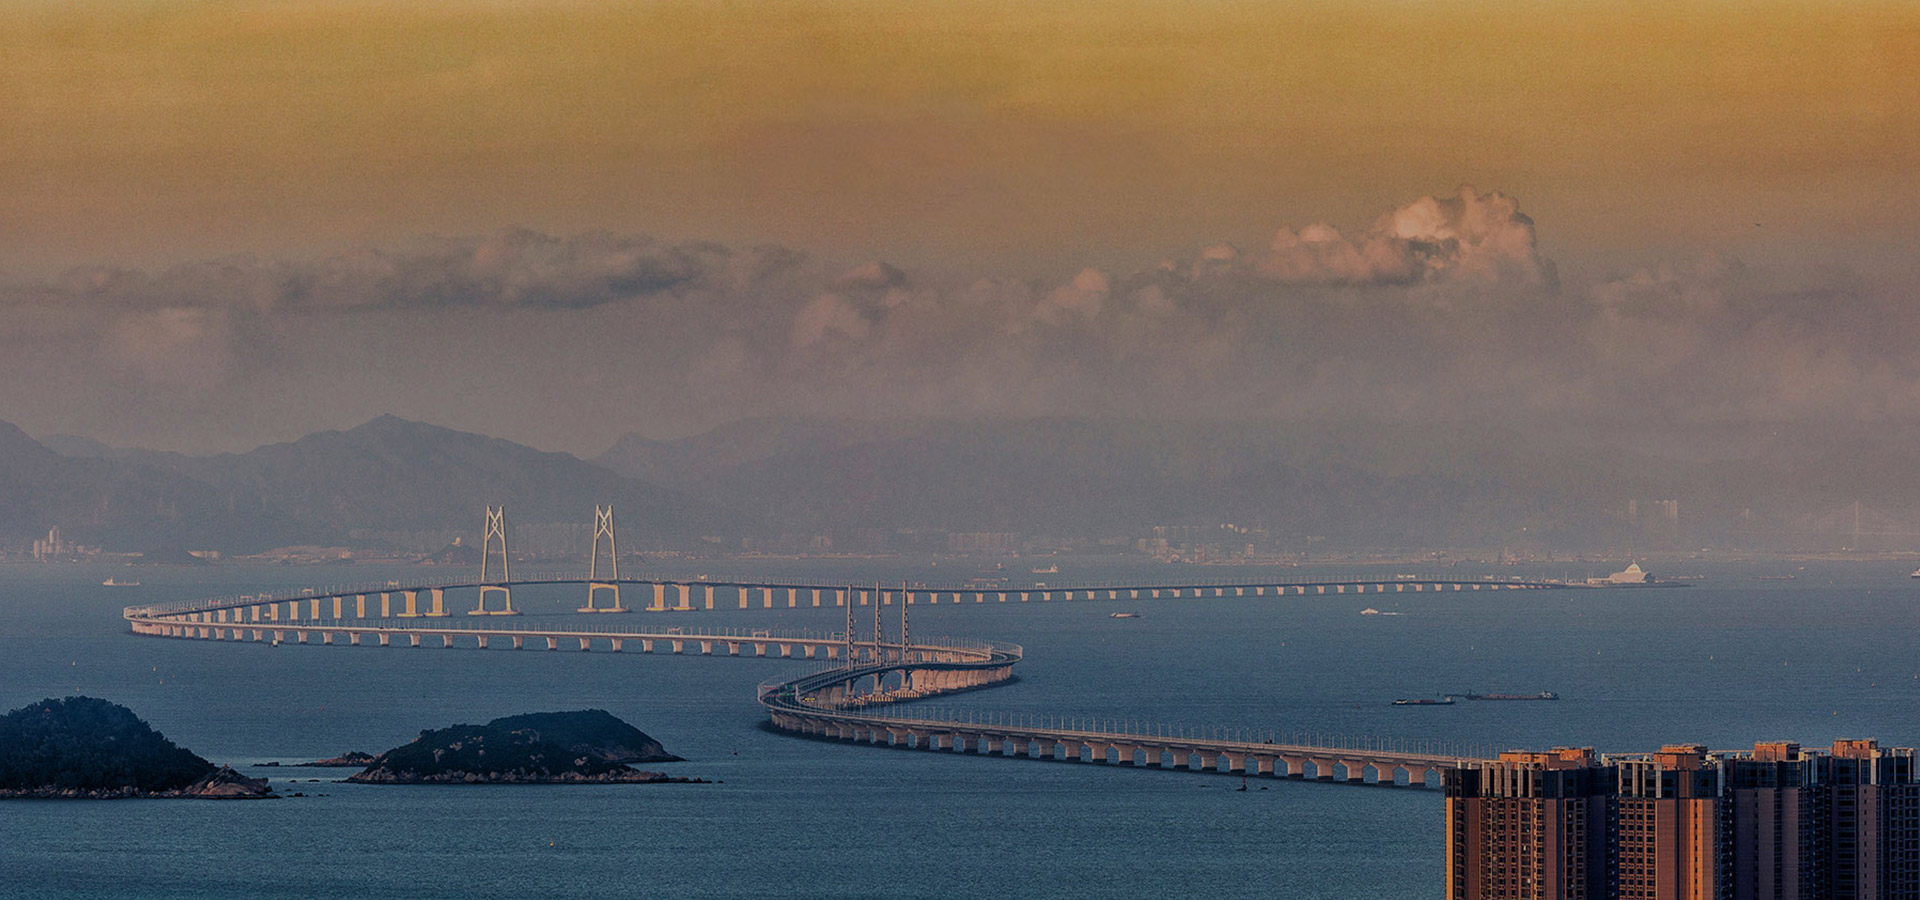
<point x="981" y="136"/>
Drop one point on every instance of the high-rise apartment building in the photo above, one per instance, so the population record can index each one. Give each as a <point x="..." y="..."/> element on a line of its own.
<point x="1524" y="828"/>
<point x="1684" y="823"/>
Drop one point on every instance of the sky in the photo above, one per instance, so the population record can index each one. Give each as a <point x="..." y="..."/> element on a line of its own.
<point x="223" y="224"/>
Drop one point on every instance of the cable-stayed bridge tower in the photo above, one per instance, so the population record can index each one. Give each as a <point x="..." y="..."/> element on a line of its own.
<point x="496" y="528"/>
<point x="603" y="527"/>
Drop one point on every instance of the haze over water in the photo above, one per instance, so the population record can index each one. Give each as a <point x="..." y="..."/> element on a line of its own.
<point x="1727" y="662"/>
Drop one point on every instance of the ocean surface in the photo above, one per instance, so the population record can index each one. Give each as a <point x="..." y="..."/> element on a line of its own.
<point x="1728" y="661"/>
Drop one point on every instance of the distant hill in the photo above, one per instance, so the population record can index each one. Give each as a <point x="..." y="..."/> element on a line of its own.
<point x="1362" y="483"/>
<point x="1566" y="485"/>
<point x="125" y="504"/>
<point x="395" y="474"/>
<point x="389" y="474"/>
<point x="85" y="744"/>
<point x="588" y="746"/>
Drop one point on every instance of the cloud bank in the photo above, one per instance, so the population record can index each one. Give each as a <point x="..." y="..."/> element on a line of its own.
<point x="1443" y="308"/>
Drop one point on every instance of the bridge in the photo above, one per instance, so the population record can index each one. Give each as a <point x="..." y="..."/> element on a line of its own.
<point x="858" y="698"/>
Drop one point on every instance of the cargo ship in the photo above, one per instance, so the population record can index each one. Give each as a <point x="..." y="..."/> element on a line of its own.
<point x="1543" y="695"/>
<point x="1425" y="701"/>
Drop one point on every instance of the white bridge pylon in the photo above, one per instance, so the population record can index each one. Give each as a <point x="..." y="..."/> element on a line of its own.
<point x="603" y="525"/>
<point x="496" y="528"/>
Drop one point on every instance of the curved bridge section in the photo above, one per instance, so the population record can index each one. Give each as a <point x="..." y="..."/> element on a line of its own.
<point x="855" y="699"/>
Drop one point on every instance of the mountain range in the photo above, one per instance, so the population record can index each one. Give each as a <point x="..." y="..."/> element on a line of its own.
<point x="1297" y="484"/>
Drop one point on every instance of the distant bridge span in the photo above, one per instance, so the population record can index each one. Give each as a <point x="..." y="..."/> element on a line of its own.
<point x="853" y="700"/>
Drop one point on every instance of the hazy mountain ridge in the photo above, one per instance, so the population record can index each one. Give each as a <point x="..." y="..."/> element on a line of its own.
<point x="1372" y="484"/>
<point x="123" y="504"/>
<point x="387" y="474"/>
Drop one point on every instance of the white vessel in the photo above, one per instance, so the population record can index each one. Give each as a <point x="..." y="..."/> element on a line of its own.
<point x="115" y="582"/>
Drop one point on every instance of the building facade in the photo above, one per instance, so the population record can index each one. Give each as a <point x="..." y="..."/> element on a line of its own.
<point x="1684" y="823"/>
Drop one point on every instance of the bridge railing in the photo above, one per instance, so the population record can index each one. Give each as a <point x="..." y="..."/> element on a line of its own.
<point x="918" y="715"/>
<point x="746" y="583"/>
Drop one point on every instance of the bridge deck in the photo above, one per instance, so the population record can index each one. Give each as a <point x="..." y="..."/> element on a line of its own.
<point x="825" y="703"/>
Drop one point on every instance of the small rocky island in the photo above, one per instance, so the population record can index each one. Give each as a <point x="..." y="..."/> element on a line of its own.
<point x="87" y="748"/>
<point x="352" y="759"/>
<point x="586" y="747"/>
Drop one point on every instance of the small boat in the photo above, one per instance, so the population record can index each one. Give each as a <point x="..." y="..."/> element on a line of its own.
<point x="1425" y="701"/>
<point x="1916" y="574"/>
<point x="1049" y="570"/>
<point x="1123" y="615"/>
<point x="1369" y="611"/>
<point x="114" y="582"/>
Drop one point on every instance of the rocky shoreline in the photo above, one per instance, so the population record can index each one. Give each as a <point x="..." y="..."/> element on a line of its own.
<point x="631" y="776"/>
<point x="223" y="784"/>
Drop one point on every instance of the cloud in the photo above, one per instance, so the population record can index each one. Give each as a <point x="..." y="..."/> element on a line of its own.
<point x="1443" y="309"/>
<point x="1470" y="237"/>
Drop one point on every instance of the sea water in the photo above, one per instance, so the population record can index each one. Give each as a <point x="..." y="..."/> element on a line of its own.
<point x="1728" y="661"/>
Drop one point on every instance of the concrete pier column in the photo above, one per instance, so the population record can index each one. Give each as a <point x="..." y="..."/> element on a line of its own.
<point x="519" y="642"/>
<point x="1260" y="764"/>
<point x="439" y="605"/>
<point x="553" y="643"/>
<point x="686" y="597"/>
<point x="336" y="607"/>
<point x="733" y="648"/>
<point x="1236" y="762"/>
<point x="293" y="610"/>
<point x="816" y="596"/>
<point x="1024" y="596"/>
<point x="326" y="637"/>
<point x="766" y="598"/>
<point x="617" y="643"/>
<point x="786" y="650"/>
<point x="353" y="639"/>
<point x="313" y="608"/>
<point x="385" y="639"/>
<point x="386" y="605"/>
<point x="706" y="648"/>
<point x="709" y="589"/>
<point x="840" y="598"/>
<point x="1209" y="762"/>
<point x="410" y="609"/>
<point x="743" y="598"/>
<point x="793" y="597"/>
<point x="360" y="606"/>
<point x="1003" y="596"/>
<point x="646" y="646"/>
<point x="415" y="638"/>
<point x="586" y="644"/>
<point x="659" y="597"/>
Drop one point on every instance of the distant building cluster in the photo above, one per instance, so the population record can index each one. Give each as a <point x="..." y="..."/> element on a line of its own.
<point x="1780" y="821"/>
<point x="983" y="543"/>
<point x="53" y="548"/>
